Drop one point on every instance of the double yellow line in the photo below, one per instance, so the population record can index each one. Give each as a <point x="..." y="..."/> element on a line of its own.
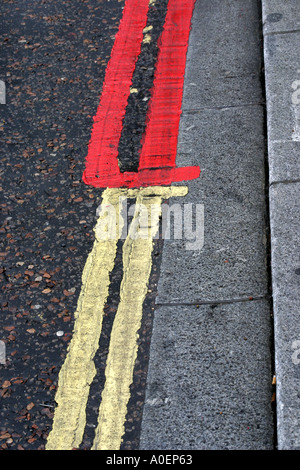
<point x="78" y="370"/>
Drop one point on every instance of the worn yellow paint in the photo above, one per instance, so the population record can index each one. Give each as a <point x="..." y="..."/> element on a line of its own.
<point x="78" y="369"/>
<point x="124" y="336"/>
<point x="137" y="262"/>
<point x="164" y="191"/>
<point x="147" y="29"/>
<point x="147" y="39"/>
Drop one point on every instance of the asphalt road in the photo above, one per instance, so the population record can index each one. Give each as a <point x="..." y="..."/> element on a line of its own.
<point x="53" y="62"/>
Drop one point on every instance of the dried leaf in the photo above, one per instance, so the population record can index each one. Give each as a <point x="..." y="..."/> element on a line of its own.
<point x="31" y="330"/>
<point x="6" y="384"/>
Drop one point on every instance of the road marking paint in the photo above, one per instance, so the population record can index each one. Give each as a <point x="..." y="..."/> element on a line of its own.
<point x="147" y="29"/>
<point x="157" y="165"/>
<point x="157" y="171"/>
<point x="137" y="262"/>
<point x="147" y="38"/>
<point x="102" y="159"/>
<point x="78" y="370"/>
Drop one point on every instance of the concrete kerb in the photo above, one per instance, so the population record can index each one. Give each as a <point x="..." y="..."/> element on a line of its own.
<point x="281" y="29"/>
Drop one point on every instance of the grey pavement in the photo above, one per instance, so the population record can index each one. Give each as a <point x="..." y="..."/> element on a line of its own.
<point x="211" y="366"/>
<point x="226" y="322"/>
<point x="281" y="27"/>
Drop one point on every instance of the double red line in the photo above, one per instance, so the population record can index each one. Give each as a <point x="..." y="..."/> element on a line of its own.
<point x="157" y="162"/>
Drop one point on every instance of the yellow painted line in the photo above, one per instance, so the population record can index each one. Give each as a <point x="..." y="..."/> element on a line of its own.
<point x="78" y="370"/>
<point x="124" y="335"/>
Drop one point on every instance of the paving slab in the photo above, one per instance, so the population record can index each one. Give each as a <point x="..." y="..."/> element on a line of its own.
<point x="280" y="16"/>
<point x="209" y="379"/>
<point x="228" y="144"/>
<point x="229" y="59"/>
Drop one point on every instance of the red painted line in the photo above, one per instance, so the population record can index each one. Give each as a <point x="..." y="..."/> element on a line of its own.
<point x="157" y="164"/>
